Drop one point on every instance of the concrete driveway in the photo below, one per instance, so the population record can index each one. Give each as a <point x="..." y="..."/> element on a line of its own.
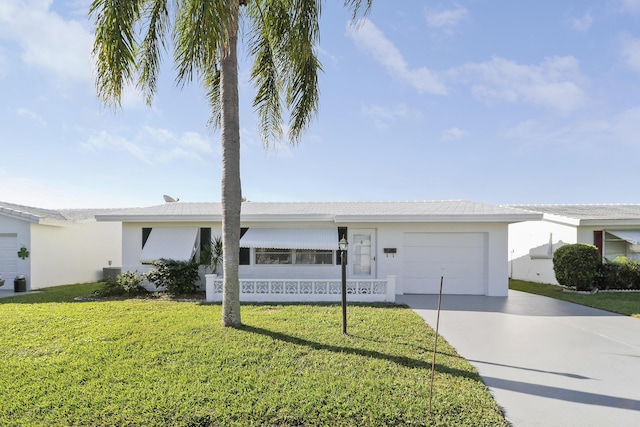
<point x="546" y="362"/>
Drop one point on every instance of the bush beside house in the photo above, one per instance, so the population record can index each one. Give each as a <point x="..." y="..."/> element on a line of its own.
<point x="176" y="277"/>
<point x="579" y="266"/>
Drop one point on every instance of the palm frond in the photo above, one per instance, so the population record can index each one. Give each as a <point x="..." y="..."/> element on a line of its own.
<point x="115" y="46"/>
<point x="359" y="8"/>
<point x="211" y="83"/>
<point x="157" y="15"/>
<point x="270" y="21"/>
<point x="302" y="66"/>
<point x="201" y="30"/>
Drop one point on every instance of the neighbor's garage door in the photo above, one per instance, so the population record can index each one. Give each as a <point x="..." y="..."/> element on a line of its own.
<point x="460" y="257"/>
<point x="8" y="256"/>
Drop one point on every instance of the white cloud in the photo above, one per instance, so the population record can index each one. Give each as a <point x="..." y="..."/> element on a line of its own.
<point x="453" y="134"/>
<point x="25" y="112"/>
<point x="370" y="39"/>
<point x="630" y="51"/>
<point x="45" y="39"/>
<point x="555" y="83"/>
<point x="446" y="19"/>
<point x="4" y="63"/>
<point x="384" y="116"/>
<point x="622" y="128"/>
<point x="630" y="5"/>
<point x="625" y="127"/>
<point x="154" y="145"/>
<point x="582" y="23"/>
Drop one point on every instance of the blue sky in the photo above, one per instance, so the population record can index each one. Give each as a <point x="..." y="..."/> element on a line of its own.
<point x="498" y="102"/>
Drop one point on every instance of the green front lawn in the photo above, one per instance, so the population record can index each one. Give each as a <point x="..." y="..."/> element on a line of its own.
<point x="165" y="363"/>
<point x="627" y="303"/>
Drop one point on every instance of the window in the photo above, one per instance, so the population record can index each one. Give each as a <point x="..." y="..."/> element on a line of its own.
<point x="303" y="256"/>
<point x="294" y="256"/>
<point x="145" y="235"/>
<point x="274" y="256"/>
<point x="245" y="253"/>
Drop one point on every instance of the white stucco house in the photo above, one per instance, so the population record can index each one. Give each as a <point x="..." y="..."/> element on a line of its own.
<point x="289" y="251"/>
<point x="614" y="229"/>
<point x="55" y="247"/>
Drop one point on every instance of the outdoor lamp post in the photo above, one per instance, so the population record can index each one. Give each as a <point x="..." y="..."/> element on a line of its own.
<point x="344" y="245"/>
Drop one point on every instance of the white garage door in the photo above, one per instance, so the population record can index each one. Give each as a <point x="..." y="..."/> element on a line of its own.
<point x="8" y="256"/>
<point x="460" y="257"/>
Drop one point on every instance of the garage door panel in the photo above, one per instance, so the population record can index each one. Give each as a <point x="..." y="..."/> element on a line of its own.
<point x="443" y="239"/>
<point x="443" y="254"/>
<point x="459" y="257"/>
<point x="8" y="255"/>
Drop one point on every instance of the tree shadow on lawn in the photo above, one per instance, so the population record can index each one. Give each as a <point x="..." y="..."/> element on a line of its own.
<point x="400" y="360"/>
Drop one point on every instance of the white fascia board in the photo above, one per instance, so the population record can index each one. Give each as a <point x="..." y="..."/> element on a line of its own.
<point x="559" y="219"/>
<point x="610" y="222"/>
<point x="287" y="218"/>
<point x="158" y="218"/>
<point x="20" y="215"/>
<point x="438" y="218"/>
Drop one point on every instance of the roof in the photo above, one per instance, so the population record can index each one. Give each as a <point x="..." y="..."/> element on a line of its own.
<point x="49" y="216"/>
<point x="419" y="211"/>
<point x="602" y="214"/>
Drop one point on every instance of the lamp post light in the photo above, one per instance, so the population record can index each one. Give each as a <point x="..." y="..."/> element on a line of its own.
<point x="344" y="245"/>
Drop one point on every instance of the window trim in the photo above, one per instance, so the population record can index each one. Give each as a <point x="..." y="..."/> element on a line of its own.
<point x="292" y="256"/>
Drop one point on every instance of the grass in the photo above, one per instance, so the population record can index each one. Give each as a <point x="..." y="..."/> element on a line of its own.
<point x="165" y="363"/>
<point x="627" y="303"/>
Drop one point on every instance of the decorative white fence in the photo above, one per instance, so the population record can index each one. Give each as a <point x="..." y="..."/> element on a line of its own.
<point x="287" y="290"/>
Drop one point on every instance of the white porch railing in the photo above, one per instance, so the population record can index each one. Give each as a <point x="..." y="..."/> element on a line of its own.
<point x="287" y="290"/>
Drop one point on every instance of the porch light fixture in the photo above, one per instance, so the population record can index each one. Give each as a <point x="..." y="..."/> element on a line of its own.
<point x="344" y="245"/>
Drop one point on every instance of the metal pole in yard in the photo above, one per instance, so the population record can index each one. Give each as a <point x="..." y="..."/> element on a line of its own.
<point x="344" y="245"/>
<point x="435" y="345"/>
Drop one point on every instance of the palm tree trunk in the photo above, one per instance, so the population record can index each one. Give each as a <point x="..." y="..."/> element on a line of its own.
<point x="231" y="187"/>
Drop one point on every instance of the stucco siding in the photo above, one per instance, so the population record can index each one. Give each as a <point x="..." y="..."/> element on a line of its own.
<point x="530" y="237"/>
<point x="22" y="232"/>
<point x="386" y="235"/>
<point x="74" y="253"/>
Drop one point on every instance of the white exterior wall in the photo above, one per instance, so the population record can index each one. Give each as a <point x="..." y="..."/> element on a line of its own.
<point x="132" y="241"/>
<point x="22" y="231"/>
<point x="392" y="236"/>
<point x="525" y="236"/>
<point x="389" y="235"/>
<point x="74" y="253"/>
<point x="254" y="271"/>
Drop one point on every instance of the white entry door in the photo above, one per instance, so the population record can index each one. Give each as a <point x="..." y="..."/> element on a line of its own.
<point x="362" y="253"/>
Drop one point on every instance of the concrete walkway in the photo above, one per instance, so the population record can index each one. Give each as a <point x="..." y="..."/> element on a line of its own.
<point x="546" y="362"/>
<point x="6" y="292"/>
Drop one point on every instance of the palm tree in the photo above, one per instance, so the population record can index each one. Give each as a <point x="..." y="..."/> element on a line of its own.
<point x="281" y="36"/>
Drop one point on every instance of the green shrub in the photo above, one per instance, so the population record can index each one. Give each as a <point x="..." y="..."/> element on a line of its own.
<point x="178" y="277"/>
<point x="577" y="266"/>
<point x="607" y="276"/>
<point x="622" y="273"/>
<point x="126" y="283"/>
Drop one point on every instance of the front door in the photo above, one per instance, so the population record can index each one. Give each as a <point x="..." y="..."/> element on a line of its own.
<point x="362" y="253"/>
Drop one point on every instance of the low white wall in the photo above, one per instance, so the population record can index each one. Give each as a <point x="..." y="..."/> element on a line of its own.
<point x="284" y="290"/>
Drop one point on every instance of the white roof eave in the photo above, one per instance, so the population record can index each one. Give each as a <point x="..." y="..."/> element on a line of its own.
<point x="20" y="215"/>
<point x="437" y="218"/>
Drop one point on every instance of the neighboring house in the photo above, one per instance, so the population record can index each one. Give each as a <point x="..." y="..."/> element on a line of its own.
<point x="60" y="246"/>
<point x="614" y="229"/>
<point x="289" y="250"/>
